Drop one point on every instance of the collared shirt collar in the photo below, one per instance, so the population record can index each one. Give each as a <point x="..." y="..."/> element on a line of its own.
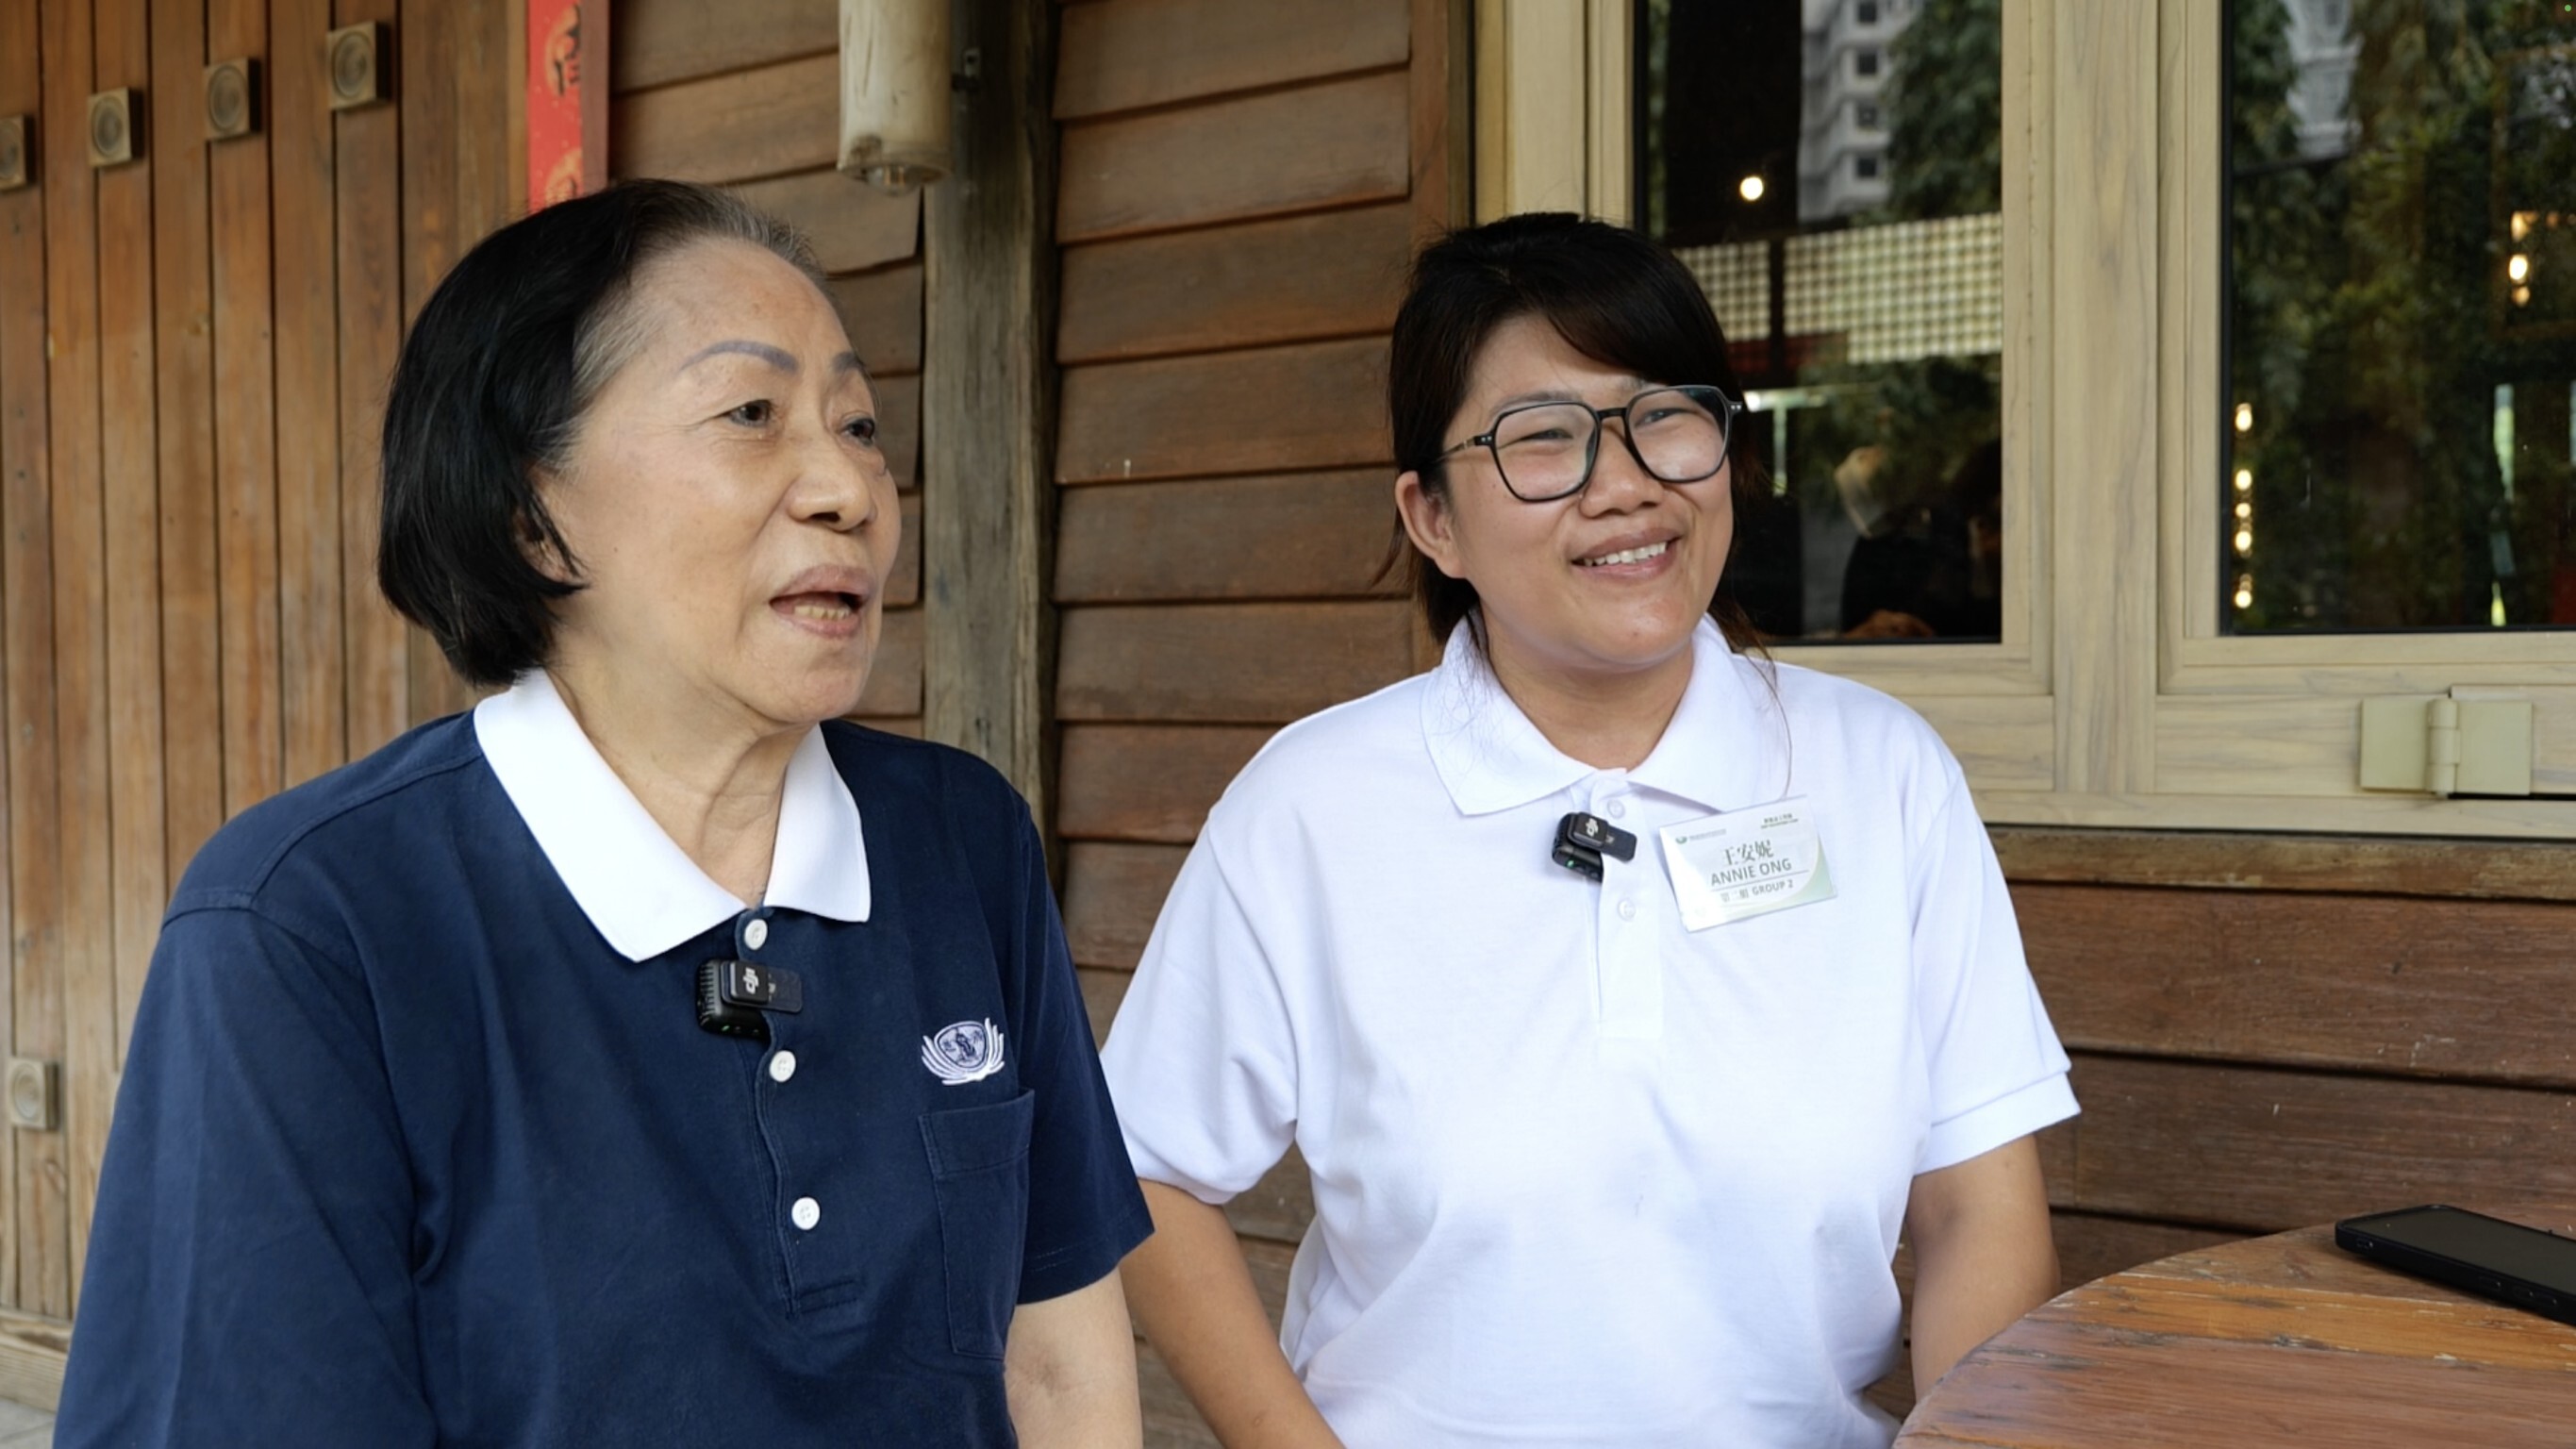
<point x="636" y="885"/>
<point x="1492" y="758"/>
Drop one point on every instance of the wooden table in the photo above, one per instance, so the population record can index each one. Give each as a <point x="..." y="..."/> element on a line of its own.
<point x="2278" y="1341"/>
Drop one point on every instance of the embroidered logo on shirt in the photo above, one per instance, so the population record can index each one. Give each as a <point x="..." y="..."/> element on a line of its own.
<point x="962" y="1052"/>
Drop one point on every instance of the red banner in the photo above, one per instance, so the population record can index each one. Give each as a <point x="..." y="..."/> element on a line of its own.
<point x="567" y="99"/>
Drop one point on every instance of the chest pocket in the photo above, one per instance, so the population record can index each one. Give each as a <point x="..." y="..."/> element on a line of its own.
<point x="979" y="1167"/>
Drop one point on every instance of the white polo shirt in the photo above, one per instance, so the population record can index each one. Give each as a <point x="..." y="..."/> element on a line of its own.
<point x="1584" y="1176"/>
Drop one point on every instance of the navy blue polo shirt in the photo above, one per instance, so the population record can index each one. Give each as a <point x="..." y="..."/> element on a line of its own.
<point x="409" y="1153"/>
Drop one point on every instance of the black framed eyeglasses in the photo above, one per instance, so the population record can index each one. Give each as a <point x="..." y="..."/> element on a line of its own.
<point x="1545" y="451"/>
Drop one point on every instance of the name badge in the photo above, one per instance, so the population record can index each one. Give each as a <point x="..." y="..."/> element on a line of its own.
<point x="1746" y="863"/>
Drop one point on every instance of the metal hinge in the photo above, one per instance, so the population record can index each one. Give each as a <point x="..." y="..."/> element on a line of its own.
<point x="2445" y="745"/>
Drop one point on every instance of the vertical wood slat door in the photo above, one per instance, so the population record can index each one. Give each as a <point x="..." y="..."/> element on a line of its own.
<point x="194" y="349"/>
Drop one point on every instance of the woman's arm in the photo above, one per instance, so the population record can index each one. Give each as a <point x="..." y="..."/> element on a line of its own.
<point x="1194" y="1298"/>
<point x="1069" y="1368"/>
<point x="1983" y="1255"/>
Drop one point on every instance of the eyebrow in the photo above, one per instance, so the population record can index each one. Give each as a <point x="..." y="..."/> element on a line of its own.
<point x="1560" y="394"/>
<point x="777" y="357"/>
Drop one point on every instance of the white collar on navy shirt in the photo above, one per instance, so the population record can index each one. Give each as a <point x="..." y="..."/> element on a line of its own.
<point x="1492" y="758"/>
<point x="637" y="886"/>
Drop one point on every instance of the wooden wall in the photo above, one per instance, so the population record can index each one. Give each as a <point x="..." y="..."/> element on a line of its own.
<point x="748" y="94"/>
<point x="193" y="350"/>
<point x="1240" y="189"/>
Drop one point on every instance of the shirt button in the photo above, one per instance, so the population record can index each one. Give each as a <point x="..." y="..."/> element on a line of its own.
<point x="806" y="1213"/>
<point x="1627" y="910"/>
<point x="1618" y="809"/>
<point x="755" y="934"/>
<point x="782" y="1065"/>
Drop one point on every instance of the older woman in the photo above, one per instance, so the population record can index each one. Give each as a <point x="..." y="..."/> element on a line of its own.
<point x="645" y="1058"/>
<point x="1625" y="993"/>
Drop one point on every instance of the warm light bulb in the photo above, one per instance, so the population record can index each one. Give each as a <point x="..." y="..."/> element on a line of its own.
<point x="2244" y="417"/>
<point x="2522" y="224"/>
<point x="2244" y="597"/>
<point x="2244" y="476"/>
<point x="2244" y="509"/>
<point x="2522" y="296"/>
<point x="1750" y="188"/>
<point x="2518" y="267"/>
<point x="2244" y="540"/>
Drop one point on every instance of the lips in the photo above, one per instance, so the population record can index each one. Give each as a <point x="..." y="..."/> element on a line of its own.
<point x="827" y="598"/>
<point x="1640" y="553"/>
<point x="1638" y="547"/>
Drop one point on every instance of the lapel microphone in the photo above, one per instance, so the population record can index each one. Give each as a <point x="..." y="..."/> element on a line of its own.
<point x="1582" y="840"/>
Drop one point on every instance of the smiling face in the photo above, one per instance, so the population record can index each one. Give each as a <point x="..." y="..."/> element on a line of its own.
<point x="1606" y="584"/>
<point x="731" y="515"/>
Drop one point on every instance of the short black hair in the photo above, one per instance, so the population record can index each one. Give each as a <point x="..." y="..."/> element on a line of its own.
<point x="509" y="353"/>
<point x="1613" y="295"/>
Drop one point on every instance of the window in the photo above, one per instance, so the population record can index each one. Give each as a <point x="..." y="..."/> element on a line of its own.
<point x="1865" y="12"/>
<point x="1865" y="166"/>
<point x="1865" y="61"/>
<point x="2123" y="687"/>
<point x="1865" y="115"/>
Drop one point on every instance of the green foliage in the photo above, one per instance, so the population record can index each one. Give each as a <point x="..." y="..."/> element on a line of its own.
<point x="1945" y="109"/>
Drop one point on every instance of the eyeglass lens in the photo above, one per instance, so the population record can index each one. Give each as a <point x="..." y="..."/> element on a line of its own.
<point x="1548" y="450"/>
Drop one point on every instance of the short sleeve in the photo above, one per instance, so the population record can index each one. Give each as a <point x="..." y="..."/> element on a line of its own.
<point x="1084" y="1210"/>
<point x="1997" y="1071"/>
<point x="1202" y="1057"/>
<point x="249" y="1269"/>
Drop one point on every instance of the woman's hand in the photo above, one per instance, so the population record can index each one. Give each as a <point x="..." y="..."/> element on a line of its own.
<point x="1194" y="1298"/>
<point x="1069" y="1368"/>
<point x="1983" y="1254"/>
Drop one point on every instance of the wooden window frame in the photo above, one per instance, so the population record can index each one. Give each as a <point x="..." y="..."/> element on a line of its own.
<point x="2114" y="697"/>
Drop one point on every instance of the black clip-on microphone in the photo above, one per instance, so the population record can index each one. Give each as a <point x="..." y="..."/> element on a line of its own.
<point x="1582" y="840"/>
<point x="733" y="997"/>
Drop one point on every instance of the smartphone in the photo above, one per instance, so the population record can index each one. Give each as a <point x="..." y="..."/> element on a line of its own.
<point x="2504" y="1261"/>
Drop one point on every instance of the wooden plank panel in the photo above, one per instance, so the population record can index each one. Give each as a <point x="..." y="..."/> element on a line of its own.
<point x="653" y="45"/>
<point x="2261" y="1150"/>
<point x="1315" y="405"/>
<point x="1146" y="783"/>
<point x="2420" y="988"/>
<point x="367" y="196"/>
<point x="433" y="238"/>
<point x="61" y="1015"/>
<point x="881" y="310"/>
<point x="182" y="282"/>
<point x="894" y="678"/>
<point x="1292" y="279"/>
<point x="903" y="586"/>
<point x="245" y="437"/>
<point x="1112" y="893"/>
<point x="1228" y="663"/>
<point x="899" y="427"/>
<point x="131" y="864"/>
<point x="2534" y="870"/>
<point x="1305" y="535"/>
<point x="852" y="226"/>
<point x="1101" y="993"/>
<point x="303" y="176"/>
<point x="2090" y="1246"/>
<point x="32" y="1350"/>
<point x="27" y="621"/>
<point x="737" y="127"/>
<point x="1340" y="143"/>
<point x="1121" y="55"/>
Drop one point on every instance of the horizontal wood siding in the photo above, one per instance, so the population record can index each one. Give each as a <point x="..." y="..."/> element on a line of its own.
<point x="748" y="96"/>
<point x="1236" y="207"/>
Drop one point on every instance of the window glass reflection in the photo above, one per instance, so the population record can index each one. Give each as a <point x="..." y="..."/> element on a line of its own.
<point x="2401" y="315"/>
<point x="1831" y="170"/>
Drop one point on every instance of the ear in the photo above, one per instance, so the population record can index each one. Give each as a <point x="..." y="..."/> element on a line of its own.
<point x="545" y="555"/>
<point x="1427" y="521"/>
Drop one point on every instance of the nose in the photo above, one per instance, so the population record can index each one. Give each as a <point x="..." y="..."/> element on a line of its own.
<point x="839" y="484"/>
<point x="1619" y="482"/>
